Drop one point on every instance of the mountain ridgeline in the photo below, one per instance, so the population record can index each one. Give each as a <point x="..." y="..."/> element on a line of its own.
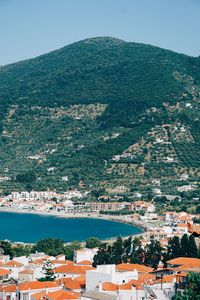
<point x="66" y="114"/>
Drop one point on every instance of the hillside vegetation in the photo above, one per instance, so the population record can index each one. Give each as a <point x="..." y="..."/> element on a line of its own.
<point x="66" y="115"/>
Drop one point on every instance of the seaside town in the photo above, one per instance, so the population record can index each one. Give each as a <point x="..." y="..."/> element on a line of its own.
<point x="99" y="150"/>
<point x="73" y="203"/>
<point x="39" y="276"/>
<point x="77" y="279"/>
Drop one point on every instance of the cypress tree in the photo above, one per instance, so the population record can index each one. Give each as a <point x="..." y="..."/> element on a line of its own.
<point x="153" y="254"/>
<point x="184" y="246"/>
<point x="192" y="247"/>
<point x="118" y="251"/>
<point x="137" y="252"/>
<point x="173" y="248"/>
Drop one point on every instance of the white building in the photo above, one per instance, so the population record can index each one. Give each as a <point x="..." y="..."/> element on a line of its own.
<point x="108" y="273"/>
<point x="84" y="254"/>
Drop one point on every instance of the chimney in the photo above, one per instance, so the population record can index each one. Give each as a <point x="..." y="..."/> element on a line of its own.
<point x="100" y="286"/>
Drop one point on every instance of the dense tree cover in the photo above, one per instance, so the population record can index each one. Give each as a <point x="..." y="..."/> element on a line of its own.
<point x="128" y="75"/>
<point x="128" y="78"/>
<point x="131" y="250"/>
<point x="18" y="250"/>
<point x="26" y="177"/>
<point x="184" y="246"/>
<point x="50" y="246"/>
<point x="54" y="247"/>
<point x="192" y="292"/>
<point x="92" y="242"/>
<point x="69" y="249"/>
<point x="120" y="251"/>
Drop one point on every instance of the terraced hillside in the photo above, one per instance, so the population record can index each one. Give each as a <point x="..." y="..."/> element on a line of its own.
<point x="102" y="112"/>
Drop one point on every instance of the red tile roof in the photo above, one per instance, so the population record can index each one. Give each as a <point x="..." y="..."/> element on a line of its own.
<point x="185" y="261"/>
<point x="8" y="288"/>
<point x="13" y="263"/>
<point x="71" y="269"/>
<point x="4" y="272"/>
<point x="132" y="267"/>
<point x="37" y="285"/>
<point x="58" y="295"/>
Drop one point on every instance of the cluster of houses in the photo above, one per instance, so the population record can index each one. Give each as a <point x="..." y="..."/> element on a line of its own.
<point x="170" y="225"/>
<point x="77" y="279"/>
<point x="20" y="277"/>
<point x="48" y="201"/>
<point x="127" y="206"/>
<point x="45" y="195"/>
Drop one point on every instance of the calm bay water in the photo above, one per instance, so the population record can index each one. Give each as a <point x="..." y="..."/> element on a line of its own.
<point x="32" y="227"/>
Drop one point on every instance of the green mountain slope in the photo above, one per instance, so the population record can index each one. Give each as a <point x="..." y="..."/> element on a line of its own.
<point x="66" y="114"/>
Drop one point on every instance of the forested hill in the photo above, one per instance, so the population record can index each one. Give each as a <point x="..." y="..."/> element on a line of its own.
<point x="65" y="107"/>
<point x="103" y="70"/>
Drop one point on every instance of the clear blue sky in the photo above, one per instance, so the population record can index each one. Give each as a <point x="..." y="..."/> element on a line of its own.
<point x="32" y="27"/>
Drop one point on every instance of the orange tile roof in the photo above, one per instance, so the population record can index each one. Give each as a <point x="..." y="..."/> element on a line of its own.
<point x="13" y="263"/>
<point x="138" y="284"/>
<point x="71" y="269"/>
<point x="112" y="287"/>
<point x="143" y="279"/>
<point x="2" y="264"/>
<point x="4" y="272"/>
<point x="62" y="295"/>
<point x="126" y="286"/>
<point x="36" y="285"/>
<point x="8" y="288"/>
<point x="131" y="267"/>
<point x="183" y="274"/>
<point x="85" y="263"/>
<point x="39" y="296"/>
<point x="81" y="278"/>
<point x="185" y="261"/>
<point x="73" y="284"/>
<point x="194" y="229"/>
<point x="109" y="286"/>
<point x="166" y="279"/>
<point x="147" y="278"/>
<point x="58" y="295"/>
<point x="39" y="261"/>
<point x="62" y="262"/>
<point x="188" y="268"/>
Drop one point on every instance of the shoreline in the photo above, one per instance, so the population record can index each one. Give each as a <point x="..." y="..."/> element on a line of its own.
<point x="121" y="219"/>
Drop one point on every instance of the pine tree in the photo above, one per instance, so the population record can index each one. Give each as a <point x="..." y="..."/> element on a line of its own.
<point x="48" y="271"/>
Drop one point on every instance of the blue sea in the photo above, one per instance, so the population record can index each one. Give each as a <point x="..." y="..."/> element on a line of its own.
<point x="30" y="228"/>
